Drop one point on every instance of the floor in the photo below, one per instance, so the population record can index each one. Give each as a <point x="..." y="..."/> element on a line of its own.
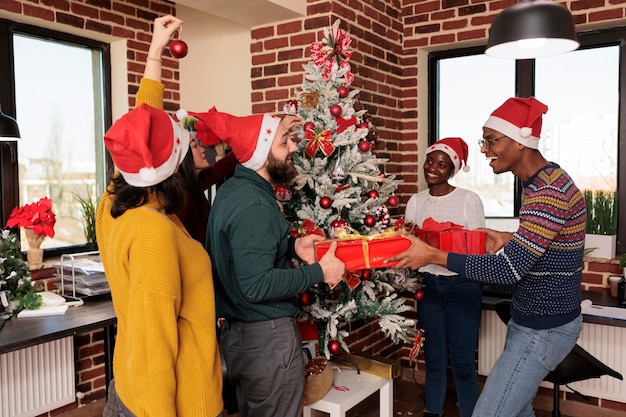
<point x="409" y="401"/>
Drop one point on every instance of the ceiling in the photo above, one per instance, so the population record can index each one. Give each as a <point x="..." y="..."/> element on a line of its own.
<point x="249" y="13"/>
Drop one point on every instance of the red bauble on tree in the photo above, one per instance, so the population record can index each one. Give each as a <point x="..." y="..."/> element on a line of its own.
<point x="419" y="294"/>
<point x="179" y="49"/>
<point x="335" y="110"/>
<point x="326" y="202"/>
<point x="343" y="91"/>
<point x="393" y="201"/>
<point x="305" y="299"/>
<point x="363" y="125"/>
<point x="282" y="193"/>
<point x="364" y="146"/>
<point x="370" y="220"/>
<point x="339" y="225"/>
<point x="308" y="126"/>
<point x="334" y="347"/>
<point x="366" y="274"/>
<point x="372" y="194"/>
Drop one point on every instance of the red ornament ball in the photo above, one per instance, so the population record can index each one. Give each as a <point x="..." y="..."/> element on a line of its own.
<point x="364" y="146"/>
<point x="338" y="225"/>
<point x="382" y="215"/>
<point x="305" y="299"/>
<point x="363" y="125"/>
<point x="282" y="193"/>
<point x="372" y="194"/>
<point x="419" y="294"/>
<point x="334" y="346"/>
<point x="366" y="274"/>
<point x="343" y="91"/>
<point x="325" y="202"/>
<point x="370" y="220"/>
<point x="335" y="110"/>
<point x="393" y="201"/>
<point x="179" y="49"/>
<point x="309" y="126"/>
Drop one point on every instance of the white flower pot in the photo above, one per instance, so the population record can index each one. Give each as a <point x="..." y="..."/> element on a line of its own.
<point x="601" y="246"/>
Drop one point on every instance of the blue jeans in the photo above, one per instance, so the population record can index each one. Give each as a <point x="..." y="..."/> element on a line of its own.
<point x="450" y="316"/>
<point x="529" y="355"/>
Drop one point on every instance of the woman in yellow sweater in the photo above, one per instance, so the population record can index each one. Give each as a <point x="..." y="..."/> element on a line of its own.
<point x="166" y="361"/>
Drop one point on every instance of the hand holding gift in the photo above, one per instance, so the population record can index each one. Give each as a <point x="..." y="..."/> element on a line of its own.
<point x="333" y="267"/>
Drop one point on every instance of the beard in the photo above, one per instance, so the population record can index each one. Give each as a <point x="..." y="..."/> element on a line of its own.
<point x="280" y="172"/>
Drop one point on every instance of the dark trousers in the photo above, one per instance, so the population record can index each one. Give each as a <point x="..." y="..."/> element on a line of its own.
<point x="265" y="361"/>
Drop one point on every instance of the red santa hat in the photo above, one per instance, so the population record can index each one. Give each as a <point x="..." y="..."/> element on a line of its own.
<point x="249" y="137"/>
<point x="520" y="119"/>
<point x="146" y="145"/>
<point x="455" y="148"/>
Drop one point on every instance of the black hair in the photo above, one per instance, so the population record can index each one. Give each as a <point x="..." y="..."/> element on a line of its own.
<point x="169" y="193"/>
<point x="189" y="176"/>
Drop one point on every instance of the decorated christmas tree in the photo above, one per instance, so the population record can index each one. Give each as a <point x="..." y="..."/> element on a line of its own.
<point x="342" y="192"/>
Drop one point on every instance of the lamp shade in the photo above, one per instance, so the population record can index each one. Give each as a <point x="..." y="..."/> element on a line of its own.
<point x="8" y="127"/>
<point x="532" y="29"/>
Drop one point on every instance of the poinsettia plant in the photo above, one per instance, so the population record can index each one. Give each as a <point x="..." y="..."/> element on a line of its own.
<point x="37" y="216"/>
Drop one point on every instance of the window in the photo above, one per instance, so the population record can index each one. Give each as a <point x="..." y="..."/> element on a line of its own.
<point x="581" y="130"/>
<point x="59" y="89"/>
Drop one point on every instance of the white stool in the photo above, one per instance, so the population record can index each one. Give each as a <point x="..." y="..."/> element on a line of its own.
<point x="360" y="386"/>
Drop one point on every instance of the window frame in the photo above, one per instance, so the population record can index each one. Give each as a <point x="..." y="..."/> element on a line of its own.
<point x="9" y="167"/>
<point x="524" y="87"/>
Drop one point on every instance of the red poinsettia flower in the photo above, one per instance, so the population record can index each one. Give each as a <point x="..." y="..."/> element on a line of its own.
<point x="37" y="216"/>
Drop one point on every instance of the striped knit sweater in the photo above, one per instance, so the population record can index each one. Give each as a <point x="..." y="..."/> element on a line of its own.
<point x="543" y="260"/>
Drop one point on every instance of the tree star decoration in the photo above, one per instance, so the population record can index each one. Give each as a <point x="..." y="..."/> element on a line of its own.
<point x="333" y="50"/>
<point x="319" y="141"/>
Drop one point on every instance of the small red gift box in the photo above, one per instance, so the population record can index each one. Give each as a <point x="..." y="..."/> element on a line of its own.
<point x="471" y="242"/>
<point x="365" y="252"/>
<point x="451" y="237"/>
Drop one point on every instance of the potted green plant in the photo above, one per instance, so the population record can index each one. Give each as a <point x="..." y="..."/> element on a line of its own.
<point x="88" y="205"/>
<point x="601" y="227"/>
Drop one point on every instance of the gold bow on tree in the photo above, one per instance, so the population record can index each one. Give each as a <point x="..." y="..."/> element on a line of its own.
<point x="320" y="141"/>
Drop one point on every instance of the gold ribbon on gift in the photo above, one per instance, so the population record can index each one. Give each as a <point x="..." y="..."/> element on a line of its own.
<point x="355" y="235"/>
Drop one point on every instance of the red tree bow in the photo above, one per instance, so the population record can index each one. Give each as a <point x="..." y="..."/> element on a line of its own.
<point x="320" y="141"/>
<point x="307" y="227"/>
<point x="333" y="49"/>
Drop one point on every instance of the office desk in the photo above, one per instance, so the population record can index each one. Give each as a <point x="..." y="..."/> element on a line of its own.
<point x="598" y="298"/>
<point x="96" y="313"/>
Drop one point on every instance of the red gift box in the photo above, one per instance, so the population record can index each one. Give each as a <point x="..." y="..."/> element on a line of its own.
<point x="451" y="237"/>
<point x="471" y="242"/>
<point x="365" y="252"/>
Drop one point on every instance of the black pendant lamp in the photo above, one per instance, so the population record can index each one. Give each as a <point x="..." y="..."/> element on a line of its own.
<point x="8" y="127"/>
<point x="532" y="29"/>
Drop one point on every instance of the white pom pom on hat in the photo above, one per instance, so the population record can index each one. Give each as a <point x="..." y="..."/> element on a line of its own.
<point x="456" y="149"/>
<point x="181" y="114"/>
<point x="520" y="119"/>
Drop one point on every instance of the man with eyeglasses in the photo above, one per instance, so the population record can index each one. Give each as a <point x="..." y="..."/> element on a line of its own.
<point x="542" y="260"/>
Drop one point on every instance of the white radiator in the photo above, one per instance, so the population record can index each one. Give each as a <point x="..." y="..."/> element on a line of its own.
<point x="606" y="343"/>
<point x="37" y="379"/>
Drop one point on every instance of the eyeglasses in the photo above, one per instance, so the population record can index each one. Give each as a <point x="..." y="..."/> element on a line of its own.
<point x="489" y="141"/>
